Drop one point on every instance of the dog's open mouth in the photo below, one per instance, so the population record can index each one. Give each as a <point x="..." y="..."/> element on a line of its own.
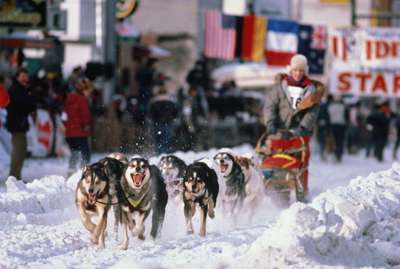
<point x="223" y="167"/>
<point x="137" y="178"/>
<point x="92" y="198"/>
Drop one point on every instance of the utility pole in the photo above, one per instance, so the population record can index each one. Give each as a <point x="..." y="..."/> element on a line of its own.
<point x="109" y="47"/>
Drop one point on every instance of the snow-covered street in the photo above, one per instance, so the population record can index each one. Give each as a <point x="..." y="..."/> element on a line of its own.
<point x="353" y="221"/>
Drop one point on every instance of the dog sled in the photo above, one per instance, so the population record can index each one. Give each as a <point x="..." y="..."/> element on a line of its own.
<point x="284" y="166"/>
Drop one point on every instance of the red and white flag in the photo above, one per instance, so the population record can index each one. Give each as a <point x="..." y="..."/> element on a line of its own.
<point x="220" y="35"/>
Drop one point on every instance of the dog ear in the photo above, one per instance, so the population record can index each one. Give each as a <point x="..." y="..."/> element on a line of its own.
<point x="85" y="168"/>
<point x="243" y="161"/>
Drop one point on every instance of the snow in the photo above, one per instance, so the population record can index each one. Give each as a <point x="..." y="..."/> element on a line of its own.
<point x="353" y="221"/>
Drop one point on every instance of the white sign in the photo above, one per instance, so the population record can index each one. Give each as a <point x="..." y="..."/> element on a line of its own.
<point x="362" y="81"/>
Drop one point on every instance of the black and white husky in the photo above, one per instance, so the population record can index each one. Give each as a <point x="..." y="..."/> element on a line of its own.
<point x="142" y="191"/>
<point x="241" y="182"/>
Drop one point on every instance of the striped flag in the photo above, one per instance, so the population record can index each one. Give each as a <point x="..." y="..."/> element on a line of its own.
<point x="253" y="38"/>
<point x="281" y="41"/>
<point x="220" y="35"/>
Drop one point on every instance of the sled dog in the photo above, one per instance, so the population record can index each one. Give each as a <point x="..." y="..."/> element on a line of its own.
<point x="95" y="192"/>
<point x="142" y="191"/>
<point x="173" y="169"/>
<point x="200" y="187"/>
<point x="240" y="180"/>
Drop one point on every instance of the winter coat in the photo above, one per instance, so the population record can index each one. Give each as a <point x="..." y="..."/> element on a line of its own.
<point x="338" y="114"/>
<point x="78" y="115"/>
<point x="4" y="97"/>
<point x="22" y="103"/>
<point x="380" y="122"/>
<point x="280" y="114"/>
<point x="163" y="109"/>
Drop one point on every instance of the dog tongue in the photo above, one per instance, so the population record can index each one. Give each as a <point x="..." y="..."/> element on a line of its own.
<point x="137" y="178"/>
<point x="223" y="167"/>
<point x="92" y="198"/>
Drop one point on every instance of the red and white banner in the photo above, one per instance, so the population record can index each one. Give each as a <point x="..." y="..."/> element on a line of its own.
<point x="361" y="81"/>
<point x="380" y="47"/>
<point x="372" y="47"/>
<point x="366" y="62"/>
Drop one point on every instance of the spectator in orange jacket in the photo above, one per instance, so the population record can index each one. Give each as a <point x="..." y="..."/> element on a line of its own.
<point x="77" y="124"/>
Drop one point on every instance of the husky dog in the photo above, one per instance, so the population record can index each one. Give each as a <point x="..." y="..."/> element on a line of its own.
<point x="95" y="192"/>
<point x="241" y="182"/>
<point x="200" y="186"/>
<point x="142" y="190"/>
<point x="173" y="169"/>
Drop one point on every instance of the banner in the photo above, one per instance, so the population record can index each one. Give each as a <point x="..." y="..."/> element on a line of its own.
<point x="380" y="47"/>
<point x="372" y="47"/>
<point x="363" y="81"/>
<point x="366" y="62"/>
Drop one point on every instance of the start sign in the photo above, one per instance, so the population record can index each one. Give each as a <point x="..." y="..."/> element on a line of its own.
<point x="359" y="82"/>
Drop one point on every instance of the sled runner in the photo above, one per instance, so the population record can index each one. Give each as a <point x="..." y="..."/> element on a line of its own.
<point x="284" y="166"/>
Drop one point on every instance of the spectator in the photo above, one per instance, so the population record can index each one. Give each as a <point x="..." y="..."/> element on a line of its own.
<point x="77" y="125"/>
<point x="145" y="78"/>
<point x="163" y="112"/>
<point x="196" y="115"/>
<point x="380" y="122"/>
<point x="354" y="133"/>
<point x="397" y="143"/>
<point x="323" y="128"/>
<point x="22" y="103"/>
<point x="338" y="117"/>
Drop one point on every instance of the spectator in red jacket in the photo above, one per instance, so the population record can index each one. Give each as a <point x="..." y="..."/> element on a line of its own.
<point x="4" y="97"/>
<point x="77" y="125"/>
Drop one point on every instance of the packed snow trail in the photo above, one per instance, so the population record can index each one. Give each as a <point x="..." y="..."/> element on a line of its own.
<point x="355" y="225"/>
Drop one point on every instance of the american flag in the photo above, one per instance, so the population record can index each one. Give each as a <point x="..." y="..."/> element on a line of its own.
<point x="319" y="37"/>
<point x="220" y="35"/>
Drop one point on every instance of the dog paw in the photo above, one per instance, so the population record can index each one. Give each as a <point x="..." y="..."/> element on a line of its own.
<point x="141" y="237"/>
<point x="94" y="240"/>
<point x="202" y="234"/>
<point x="211" y="214"/>
<point x="124" y="247"/>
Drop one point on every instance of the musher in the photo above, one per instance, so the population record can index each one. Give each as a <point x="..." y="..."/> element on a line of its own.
<point x="291" y="109"/>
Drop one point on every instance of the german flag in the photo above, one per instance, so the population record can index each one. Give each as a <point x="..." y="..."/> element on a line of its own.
<point x="253" y="38"/>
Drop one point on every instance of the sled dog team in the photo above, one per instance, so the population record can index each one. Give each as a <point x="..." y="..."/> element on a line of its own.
<point x="134" y="188"/>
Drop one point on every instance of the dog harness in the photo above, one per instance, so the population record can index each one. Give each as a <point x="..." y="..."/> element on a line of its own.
<point x="134" y="199"/>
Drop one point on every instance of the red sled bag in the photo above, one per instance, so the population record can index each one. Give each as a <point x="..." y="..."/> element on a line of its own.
<point x="284" y="165"/>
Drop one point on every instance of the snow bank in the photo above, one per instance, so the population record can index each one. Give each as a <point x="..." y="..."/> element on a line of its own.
<point x="352" y="226"/>
<point x="43" y="201"/>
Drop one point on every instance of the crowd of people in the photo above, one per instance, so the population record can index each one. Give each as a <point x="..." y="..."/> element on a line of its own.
<point x="362" y="125"/>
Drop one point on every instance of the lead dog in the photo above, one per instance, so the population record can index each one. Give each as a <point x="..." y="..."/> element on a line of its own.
<point x="241" y="180"/>
<point x="95" y="192"/>
<point x="200" y="187"/>
<point x="142" y="190"/>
